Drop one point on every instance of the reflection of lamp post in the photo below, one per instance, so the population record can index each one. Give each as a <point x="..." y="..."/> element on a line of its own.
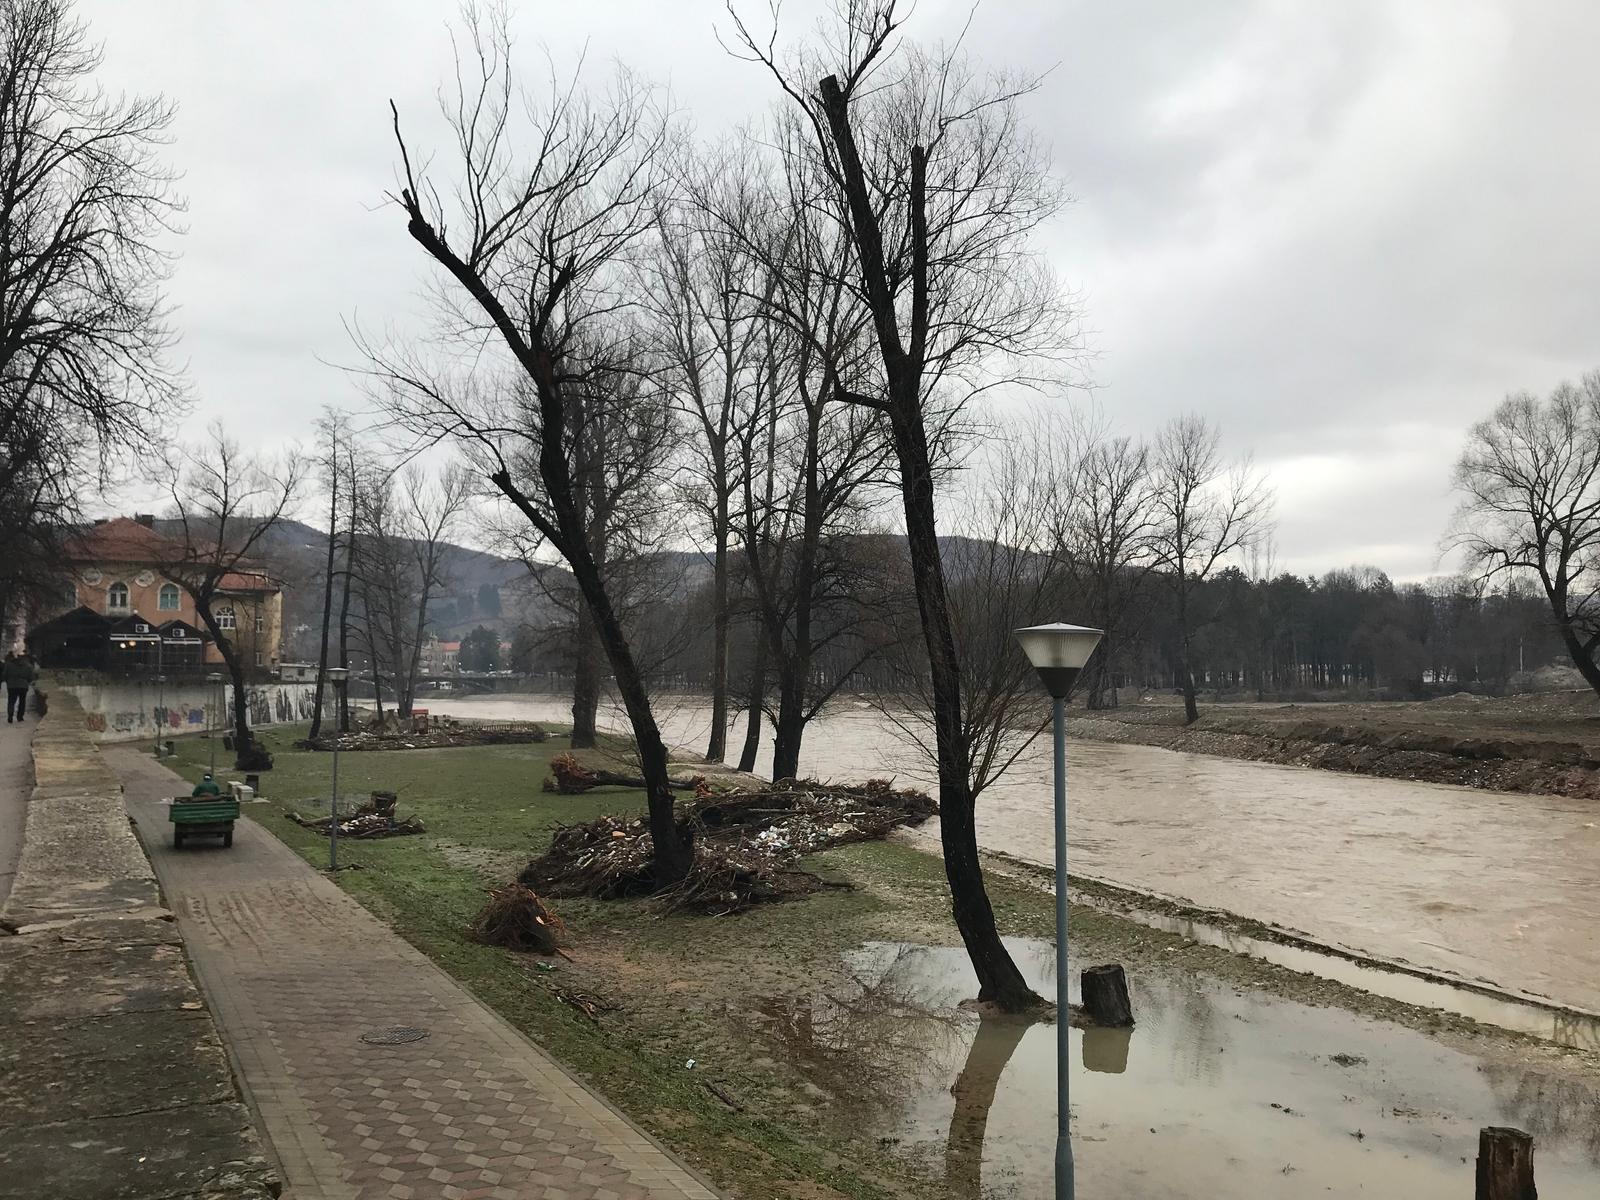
<point x="338" y="676"/>
<point x="214" y="680"/>
<point x="1058" y="653"/>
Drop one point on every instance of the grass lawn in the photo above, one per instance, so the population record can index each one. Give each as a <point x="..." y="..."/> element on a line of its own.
<point x="681" y="986"/>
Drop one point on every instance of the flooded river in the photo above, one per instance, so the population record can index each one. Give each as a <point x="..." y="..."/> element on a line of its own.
<point x="1216" y="1092"/>
<point x="1484" y="885"/>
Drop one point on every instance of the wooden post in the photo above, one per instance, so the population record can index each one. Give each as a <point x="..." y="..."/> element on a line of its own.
<point x="1105" y="996"/>
<point x="1505" y="1164"/>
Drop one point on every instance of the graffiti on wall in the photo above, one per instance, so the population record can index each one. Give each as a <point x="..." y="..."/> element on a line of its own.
<point x="121" y="711"/>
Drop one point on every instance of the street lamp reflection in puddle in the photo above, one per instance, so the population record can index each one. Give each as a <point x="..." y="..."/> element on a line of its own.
<point x="1105" y="1051"/>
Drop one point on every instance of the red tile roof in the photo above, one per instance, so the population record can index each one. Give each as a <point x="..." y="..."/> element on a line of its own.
<point x="122" y="540"/>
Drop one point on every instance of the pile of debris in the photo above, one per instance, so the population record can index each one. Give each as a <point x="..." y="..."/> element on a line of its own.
<point x="374" y="819"/>
<point x="746" y="845"/>
<point x="569" y="777"/>
<point x="439" y="733"/>
<point x="517" y="919"/>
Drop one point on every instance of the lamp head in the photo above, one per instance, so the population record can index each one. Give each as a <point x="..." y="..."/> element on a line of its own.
<point x="338" y="675"/>
<point x="1058" y="652"/>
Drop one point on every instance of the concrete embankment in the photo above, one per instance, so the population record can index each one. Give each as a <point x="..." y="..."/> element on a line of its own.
<point x="1539" y="767"/>
<point x="114" y="1084"/>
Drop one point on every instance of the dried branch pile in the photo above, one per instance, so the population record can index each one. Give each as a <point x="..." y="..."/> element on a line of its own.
<point x="569" y="777"/>
<point x="438" y="736"/>
<point x="517" y="919"/>
<point x="746" y="845"/>
<point x="374" y="819"/>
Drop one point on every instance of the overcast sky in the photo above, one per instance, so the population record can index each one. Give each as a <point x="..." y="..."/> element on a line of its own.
<point x="1341" y="230"/>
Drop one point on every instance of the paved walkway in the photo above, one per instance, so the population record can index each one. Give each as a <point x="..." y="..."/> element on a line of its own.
<point x="296" y="970"/>
<point x="16" y="781"/>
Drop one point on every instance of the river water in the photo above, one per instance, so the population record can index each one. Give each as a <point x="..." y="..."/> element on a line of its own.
<point x="1488" y="886"/>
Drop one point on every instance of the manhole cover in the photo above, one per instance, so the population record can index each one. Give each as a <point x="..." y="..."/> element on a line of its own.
<point x="394" y="1035"/>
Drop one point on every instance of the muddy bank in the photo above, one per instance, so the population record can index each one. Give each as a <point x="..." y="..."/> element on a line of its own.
<point x="1392" y="745"/>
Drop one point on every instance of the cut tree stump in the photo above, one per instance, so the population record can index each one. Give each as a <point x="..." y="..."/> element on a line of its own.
<point x="1105" y="996"/>
<point x="1505" y="1164"/>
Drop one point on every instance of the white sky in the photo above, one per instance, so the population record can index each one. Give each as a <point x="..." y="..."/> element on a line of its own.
<point x="1343" y="231"/>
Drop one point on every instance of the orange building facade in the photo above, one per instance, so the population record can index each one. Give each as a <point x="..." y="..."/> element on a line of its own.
<point x="116" y="574"/>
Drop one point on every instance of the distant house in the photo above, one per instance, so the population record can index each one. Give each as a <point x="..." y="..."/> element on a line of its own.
<point x="116" y="575"/>
<point x="438" y="658"/>
<point x="297" y="672"/>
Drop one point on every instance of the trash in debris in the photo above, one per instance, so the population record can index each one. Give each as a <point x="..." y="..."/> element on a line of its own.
<point x="746" y="845"/>
<point x="689" y="1066"/>
<point x="437" y="733"/>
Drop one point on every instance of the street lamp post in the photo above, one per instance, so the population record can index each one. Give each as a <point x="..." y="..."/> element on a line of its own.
<point x="215" y="680"/>
<point x="338" y="676"/>
<point x="161" y="693"/>
<point x="1058" y="653"/>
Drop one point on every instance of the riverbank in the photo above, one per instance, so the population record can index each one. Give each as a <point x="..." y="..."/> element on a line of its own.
<point x="1542" y="744"/>
<point x="822" y="1063"/>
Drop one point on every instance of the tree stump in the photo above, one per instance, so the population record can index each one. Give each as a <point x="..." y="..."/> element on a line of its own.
<point x="1505" y="1164"/>
<point x="1105" y="996"/>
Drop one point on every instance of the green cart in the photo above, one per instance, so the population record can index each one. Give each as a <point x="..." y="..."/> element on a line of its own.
<point x="210" y="816"/>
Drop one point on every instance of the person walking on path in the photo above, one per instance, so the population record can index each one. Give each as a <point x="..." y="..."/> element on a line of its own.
<point x="18" y="673"/>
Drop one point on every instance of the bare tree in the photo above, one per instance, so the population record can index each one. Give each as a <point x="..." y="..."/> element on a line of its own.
<point x="939" y="186"/>
<point x="1105" y="534"/>
<point x="625" y="438"/>
<point x="704" y="287"/>
<point x="1207" y="511"/>
<point x="84" y="199"/>
<point x="404" y="524"/>
<point x="1002" y="573"/>
<point x="534" y="264"/>
<point x="226" y="503"/>
<point x="335" y="428"/>
<point x="1530" y="484"/>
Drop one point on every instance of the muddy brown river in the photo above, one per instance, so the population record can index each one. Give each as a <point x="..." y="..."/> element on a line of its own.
<point x="1487" y="886"/>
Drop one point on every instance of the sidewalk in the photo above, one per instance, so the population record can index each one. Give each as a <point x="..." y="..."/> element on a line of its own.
<point x="296" y="971"/>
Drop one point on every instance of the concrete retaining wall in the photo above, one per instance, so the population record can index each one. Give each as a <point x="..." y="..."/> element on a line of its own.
<point x="127" y="710"/>
<point x="114" y="1084"/>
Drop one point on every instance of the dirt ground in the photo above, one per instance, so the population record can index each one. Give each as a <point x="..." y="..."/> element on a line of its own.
<point x="1541" y="743"/>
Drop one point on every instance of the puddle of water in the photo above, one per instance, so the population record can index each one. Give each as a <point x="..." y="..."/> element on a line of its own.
<point x="1215" y="1093"/>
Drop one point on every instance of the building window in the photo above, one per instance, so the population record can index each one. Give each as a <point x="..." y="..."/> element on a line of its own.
<point x="117" y="598"/>
<point x="167" y="600"/>
<point x="261" y="623"/>
<point x="258" y="658"/>
<point x="225" y="619"/>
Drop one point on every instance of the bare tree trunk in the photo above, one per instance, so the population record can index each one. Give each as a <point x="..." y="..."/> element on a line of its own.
<point x="717" y="746"/>
<point x="585" y="681"/>
<point x="344" y="623"/>
<point x="327" y="604"/>
<point x="753" y="706"/>
<point x="789" y="729"/>
<point x="1191" y="709"/>
<point x="999" y="979"/>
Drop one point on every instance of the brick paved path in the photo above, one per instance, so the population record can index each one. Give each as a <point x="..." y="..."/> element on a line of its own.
<point x="295" y="970"/>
